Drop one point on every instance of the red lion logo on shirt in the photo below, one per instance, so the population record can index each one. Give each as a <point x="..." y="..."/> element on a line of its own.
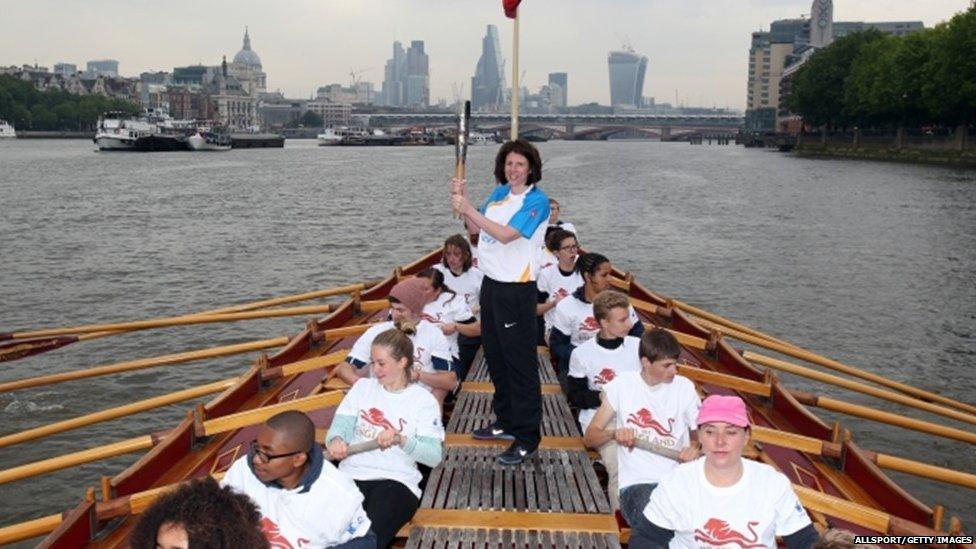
<point x="589" y="324"/>
<point x="273" y="534"/>
<point x="375" y="416"/>
<point x="718" y="532"/>
<point x="643" y="420"/>
<point x="605" y="376"/>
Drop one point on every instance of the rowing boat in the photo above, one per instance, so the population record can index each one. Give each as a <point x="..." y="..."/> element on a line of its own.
<point x="555" y="498"/>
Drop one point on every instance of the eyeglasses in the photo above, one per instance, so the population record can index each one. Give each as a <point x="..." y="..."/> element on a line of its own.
<point x="266" y="457"/>
<point x="569" y="248"/>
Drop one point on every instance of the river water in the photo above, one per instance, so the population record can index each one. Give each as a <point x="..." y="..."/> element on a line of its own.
<point x="868" y="263"/>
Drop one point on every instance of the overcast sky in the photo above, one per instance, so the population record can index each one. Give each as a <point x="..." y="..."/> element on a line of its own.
<point x="695" y="47"/>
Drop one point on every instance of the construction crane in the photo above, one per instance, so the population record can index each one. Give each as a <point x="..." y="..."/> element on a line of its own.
<point x="355" y="75"/>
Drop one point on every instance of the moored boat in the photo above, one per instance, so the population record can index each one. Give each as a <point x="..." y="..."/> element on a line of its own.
<point x="119" y="131"/>
<point x="840" y="483"/>
<point x="209" y="138"/>
<point x="336" y="135"/>
<point x="7" y="129"/>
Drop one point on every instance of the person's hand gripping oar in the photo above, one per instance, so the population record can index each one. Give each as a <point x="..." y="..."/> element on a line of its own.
<point x="339" y="449"/>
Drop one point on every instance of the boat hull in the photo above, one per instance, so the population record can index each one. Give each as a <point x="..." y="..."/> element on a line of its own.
<point x="198" y="142"/>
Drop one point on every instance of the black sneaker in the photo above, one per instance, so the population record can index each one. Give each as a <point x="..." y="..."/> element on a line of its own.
<point x="515" y="454"/>
<point x="491" y="432"/>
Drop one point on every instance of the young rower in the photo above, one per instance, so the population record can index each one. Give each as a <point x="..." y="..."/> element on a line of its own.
<point x="723" y="500"/>
<point x="432" y="366"/>
<point x="599" y="361"/>
<point x="559" y="279"/>
<point x="554" y="222"/>
<point x="304" y="500"/>
<point x="199" y="514"/>
<point x="406" y="422"/>
<point x="449" y="312"/>
<point x="573" y="322"/>
<point x="465" y="279"/>
<point x="653" y="405"/>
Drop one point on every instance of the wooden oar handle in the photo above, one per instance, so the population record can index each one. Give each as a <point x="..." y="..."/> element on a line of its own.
<point x="651" y="447"/>
<point x="361" y="447"/>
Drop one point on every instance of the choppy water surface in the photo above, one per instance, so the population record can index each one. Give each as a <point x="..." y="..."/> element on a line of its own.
<point x="872" y="264"/>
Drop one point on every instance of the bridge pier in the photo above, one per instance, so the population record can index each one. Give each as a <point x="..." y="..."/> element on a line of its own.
<point x="666" y="133"/>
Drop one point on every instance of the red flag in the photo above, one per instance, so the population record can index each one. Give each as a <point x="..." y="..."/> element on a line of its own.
<point x="511" y="8"/>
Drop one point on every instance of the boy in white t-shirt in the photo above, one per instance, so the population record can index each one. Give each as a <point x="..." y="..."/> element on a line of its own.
<point x="655" y="405"/>
<point x="599" y="361"/>
<point x="303" y="499"/>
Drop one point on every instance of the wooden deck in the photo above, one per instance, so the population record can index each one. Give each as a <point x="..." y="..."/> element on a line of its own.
<point x="553" y="499"/>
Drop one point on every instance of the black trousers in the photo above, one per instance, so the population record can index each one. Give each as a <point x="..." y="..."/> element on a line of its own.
<point x="508" y="334"/>
<point x="389" y="505"/>
<point x="467" y="348"/>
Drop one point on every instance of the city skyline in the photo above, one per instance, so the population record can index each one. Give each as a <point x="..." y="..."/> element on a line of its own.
<point x="699" y="51"/>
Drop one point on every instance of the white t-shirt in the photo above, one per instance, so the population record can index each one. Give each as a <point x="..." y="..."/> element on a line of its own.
<point x="750" y="513"/>
<point x="528" y="213"/>
<point x="599" y="366"/>
<point x="661" y="414"/>
<point x="546" y="259"/>
<point x="467" y="284"/>
<point x="446" y="308"/>
<point x="574" y="318"/>
<point x="329" y="513"/>
<point x="428" y="342"/>
<point x="553" y="282"/>
<point x="412" y="412"/>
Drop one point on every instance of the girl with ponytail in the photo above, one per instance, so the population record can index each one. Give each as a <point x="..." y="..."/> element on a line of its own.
<point x="573" y="322"/>
<point x="432" y="366"/>
<point x="403" y="418"/>
<point x="449" y="312"/>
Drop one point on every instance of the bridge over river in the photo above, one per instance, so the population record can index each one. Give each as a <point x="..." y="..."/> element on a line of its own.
<point x="667" y="127"/>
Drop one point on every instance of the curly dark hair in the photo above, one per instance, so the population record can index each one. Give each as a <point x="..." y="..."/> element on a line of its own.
<point x="524" y="148"/>
<point x="213" y="517"/>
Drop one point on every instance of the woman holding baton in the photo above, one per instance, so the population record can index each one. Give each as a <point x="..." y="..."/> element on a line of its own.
<point x="511" y="225"/>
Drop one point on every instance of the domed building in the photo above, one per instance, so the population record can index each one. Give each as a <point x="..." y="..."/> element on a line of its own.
<point x="246" y="67"/>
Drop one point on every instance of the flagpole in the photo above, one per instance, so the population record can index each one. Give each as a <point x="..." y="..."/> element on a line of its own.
<point x="515" y="79"/>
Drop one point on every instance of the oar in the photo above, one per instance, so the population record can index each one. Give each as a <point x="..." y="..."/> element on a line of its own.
<point x="132" y="504"/>
<point x="362" y="447"/>
<point x="755" y="337"/>
<point x="59" y="337"/>
<point x="816" y="446"/>
<point x="857" y="410"/>
<point x="651" y="447"/>
<point x="22" y="349"/>
<point x="808" y="356"/>
<point x="165" y="400"/>
<point x="210" y="427"/>
<point x="186" y="356"/>
<point x="923" y="399"/>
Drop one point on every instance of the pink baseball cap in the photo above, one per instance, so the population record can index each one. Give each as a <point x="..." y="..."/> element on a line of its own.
<point x="728" y="409"/>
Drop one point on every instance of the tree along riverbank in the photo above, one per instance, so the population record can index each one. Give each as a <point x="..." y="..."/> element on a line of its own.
<point x="957" y="148"/>
<point x="54" y="110"/>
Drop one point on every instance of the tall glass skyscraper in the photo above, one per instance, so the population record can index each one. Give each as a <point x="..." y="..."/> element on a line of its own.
<point x="627" y="71"/>
<point x="560" y="79"/>
<point x="488" y="82"/>
<point x="406" y="79"/>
